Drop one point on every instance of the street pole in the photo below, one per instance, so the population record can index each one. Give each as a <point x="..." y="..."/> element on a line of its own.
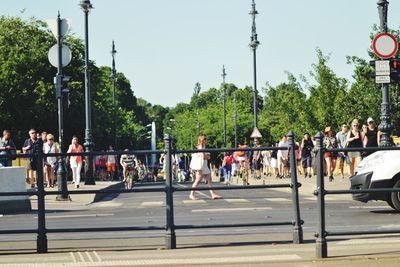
<point x="254" y="44"/>
<point x="89" y="177"/>
<point x="224" y="100"/>
<point x="235" y="117"/>
<point x="113" y="77"/>
<point x="61" y="172"/>
<point x="386" y="126"/>
<point x="197" y="89"/>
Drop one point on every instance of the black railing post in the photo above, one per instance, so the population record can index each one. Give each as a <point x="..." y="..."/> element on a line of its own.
<point x="170" y="237"/>
<point x="321" y="245"/>
<point x="297" y="228"/>
<point x="41" y="242"/>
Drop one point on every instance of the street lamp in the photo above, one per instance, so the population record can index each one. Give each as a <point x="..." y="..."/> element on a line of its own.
<point x="197" y="89"/>
<point x="114" y="77"/>
<point x="386" y="126"/>
<point x="89" y="178"/>
<point x="224" y="99"/>
<point x="253" y="45"/>
<point x="235" y="117"/>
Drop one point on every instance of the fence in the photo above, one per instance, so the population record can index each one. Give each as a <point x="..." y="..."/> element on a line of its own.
<point x="322" y="233"/>
<point x="170" y="227"/>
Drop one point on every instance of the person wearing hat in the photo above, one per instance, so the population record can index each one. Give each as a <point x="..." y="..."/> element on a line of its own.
<point x="371" y="134"/>
<point x="330" y="157"/>
<point x="354" y="140"/>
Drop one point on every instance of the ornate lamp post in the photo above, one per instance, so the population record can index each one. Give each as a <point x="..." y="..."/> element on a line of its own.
<point x="89" y="178"/>
<point x="224" y="100"/>
<point x="386" y="126"/>
<point x="114" y="77"/>
<point x="254" y="44"/>
<point x="197" y="89"/>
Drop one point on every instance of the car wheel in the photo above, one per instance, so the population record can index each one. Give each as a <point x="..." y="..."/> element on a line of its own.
<point x="395" y="197"/>
<point x="389" y="200"/>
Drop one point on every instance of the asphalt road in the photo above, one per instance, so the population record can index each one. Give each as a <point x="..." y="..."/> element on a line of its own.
<point x="237" y="206"/>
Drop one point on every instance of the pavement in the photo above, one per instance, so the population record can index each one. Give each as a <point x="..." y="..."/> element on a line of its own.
<point x="255" y="249"/>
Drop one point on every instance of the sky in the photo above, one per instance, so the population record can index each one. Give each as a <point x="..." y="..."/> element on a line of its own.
<point x="165" y="46"/>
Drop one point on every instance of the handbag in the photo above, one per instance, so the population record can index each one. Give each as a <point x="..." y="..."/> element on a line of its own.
<point x="196" y="162"/>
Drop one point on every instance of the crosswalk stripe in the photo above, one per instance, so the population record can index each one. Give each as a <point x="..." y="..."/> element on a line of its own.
<point x="236" y="200"/>
<point x="152" y="203"/>
<point x="189" y="201"/>
<point x="278" y="199"/>
<point x="232" y="209"/>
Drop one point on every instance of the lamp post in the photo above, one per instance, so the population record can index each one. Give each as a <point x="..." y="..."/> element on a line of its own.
<point x="197" y="89"/>
<point x="235" y="117"/>
<point x="386" y="126"/>
<point x="224" y="100"/>
<point x="253" y="45"/>
<point x="114" y="77"/>
<point x="89" y="178"/>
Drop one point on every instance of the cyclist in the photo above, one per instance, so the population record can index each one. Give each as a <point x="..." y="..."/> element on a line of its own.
<point x="128" y="162"/>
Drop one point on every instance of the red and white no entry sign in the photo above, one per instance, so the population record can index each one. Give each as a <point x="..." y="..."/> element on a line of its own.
<point x="385" y="45"/>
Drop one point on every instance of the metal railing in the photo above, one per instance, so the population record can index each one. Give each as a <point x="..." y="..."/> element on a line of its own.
<point x="320" y="192"/>
<point x="169" y="189"/>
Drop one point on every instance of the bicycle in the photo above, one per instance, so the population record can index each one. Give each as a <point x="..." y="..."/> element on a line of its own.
<point x="131" y="177"/>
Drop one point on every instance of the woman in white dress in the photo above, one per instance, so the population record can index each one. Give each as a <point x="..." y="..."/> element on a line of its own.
<point x="200" y="165"/>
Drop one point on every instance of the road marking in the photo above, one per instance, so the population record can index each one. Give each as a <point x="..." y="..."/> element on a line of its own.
<point x="97" y="256"/>
<point x="369" y="207"/>
<point x="189" y="201"/>
<point x="278" y="199"/>
<point x="77" y="216"/>
<point x="73" y="257"/>
<point x="236" y="200"/>
<point x="108" y="204"/>
<point x="81" y="257"/>
<point x="89" y="257"/>
<point x="198" y="192"/>
<point x="369" y="241"/>
<point x="152" y="204"/>
<point x="330" y="198"/>
<point x="210" y="261"/>
<point x="232" y="209"/>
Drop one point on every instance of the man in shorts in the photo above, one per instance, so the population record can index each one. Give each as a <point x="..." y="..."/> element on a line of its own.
<point x="111" y="166"/>
<point x="28" y="149"/>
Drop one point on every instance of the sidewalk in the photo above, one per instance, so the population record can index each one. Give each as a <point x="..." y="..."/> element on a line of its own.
<point x="77" y="200"/>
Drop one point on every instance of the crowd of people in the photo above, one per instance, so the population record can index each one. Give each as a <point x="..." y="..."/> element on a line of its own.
<point x="240" y="163"/>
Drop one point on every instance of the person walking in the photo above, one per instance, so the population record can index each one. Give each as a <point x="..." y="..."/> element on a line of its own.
<point x="371" y="136"/>
<point x="199" y="163"/>
<point x="50" y="161"/>
<point x="7" y="147"/>
<point x="227" y="164"/>
<point x="306" y="147"/>
<point x="353" y="140"/>
<point x="111" y="163"/>
<point x="330" y="141"/>
<point x="283" y="157"/>
<point x="28" y="149"/>
<point x="75" y="161"/>
<point x="342" y="156"/>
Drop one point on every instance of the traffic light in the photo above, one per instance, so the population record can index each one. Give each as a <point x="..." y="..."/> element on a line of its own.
<point x="395" y="70"/>
<point x="65" y="90"/>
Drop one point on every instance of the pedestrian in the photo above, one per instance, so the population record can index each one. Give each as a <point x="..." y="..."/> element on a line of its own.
<point x="75" y="161"/>
<point x="181" y="169"/>
<point x="50" y="161"/>
<point x="283" y="160"/>
<point x="28" y="149"/>
<point x="306" y="147"/>
<point x="227" y="165"/>
<point x="111" y="163"/>
<point x="353" y="140"/>
<point x="342" y="156"/>
<point x="274" y="161"/>
<point x="266" y="155"/>
<point x="199" y="163"/>
<point x="330" y="142"/>
<point x="257" y="159"/>
<point x="371" y="135"/>
<point x="7" y="147"/>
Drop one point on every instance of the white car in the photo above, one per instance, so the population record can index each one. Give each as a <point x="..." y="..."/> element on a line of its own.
<point x="379" y="170"/>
